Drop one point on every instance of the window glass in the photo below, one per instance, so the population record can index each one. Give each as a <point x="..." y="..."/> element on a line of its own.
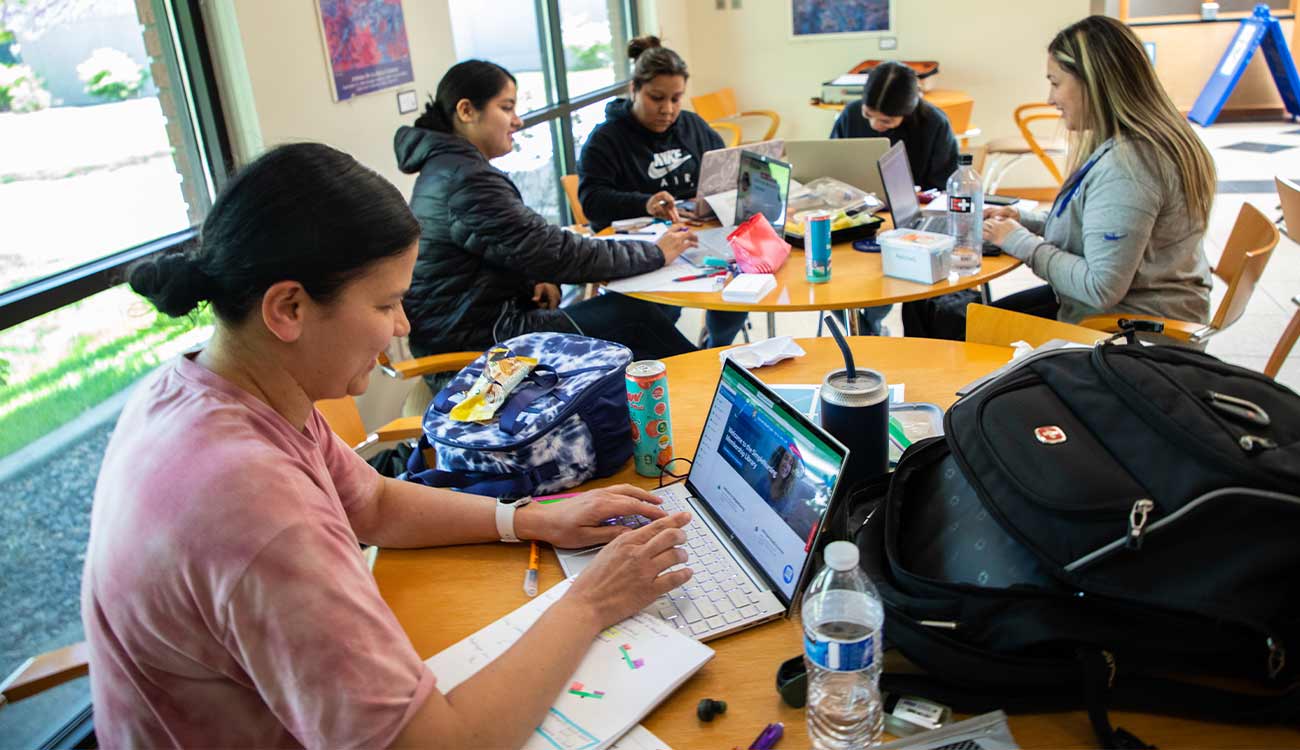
<point x="586" y="120"/>
<point x="479" y="31"/>
<point x="83" y="136"/>
<point x="595" y="43"/>
<point x="531" y="166"/>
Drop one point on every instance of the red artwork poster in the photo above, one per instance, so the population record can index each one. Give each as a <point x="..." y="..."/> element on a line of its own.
<point x="365" y="41"/>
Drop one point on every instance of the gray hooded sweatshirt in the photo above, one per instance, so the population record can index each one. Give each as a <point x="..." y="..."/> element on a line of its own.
<point x="1118" y="240"/>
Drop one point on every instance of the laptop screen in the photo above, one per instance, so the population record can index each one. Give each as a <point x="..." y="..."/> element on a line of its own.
<point x="767" y="473"/>
<point x="762" y="186"/>
<point x="900" y="190"/>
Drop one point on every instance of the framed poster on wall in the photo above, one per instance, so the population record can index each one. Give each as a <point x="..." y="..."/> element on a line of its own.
<point x="821" y="19"/>
<point x="365" y="45"/>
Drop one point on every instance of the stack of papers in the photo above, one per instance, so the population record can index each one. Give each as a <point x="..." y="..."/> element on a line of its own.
<point x="662" y="280"/>
<point x="749" y="287"/>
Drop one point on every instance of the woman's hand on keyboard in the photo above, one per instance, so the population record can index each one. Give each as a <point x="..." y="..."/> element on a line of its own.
<point x="582" y="520"/>
<point x="628" y="573"/>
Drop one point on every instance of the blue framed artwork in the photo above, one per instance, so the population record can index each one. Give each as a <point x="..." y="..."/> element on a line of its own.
<point x="819" y="19"/>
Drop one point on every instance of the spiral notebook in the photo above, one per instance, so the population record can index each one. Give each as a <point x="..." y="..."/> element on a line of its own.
<point x="628" y="670"/>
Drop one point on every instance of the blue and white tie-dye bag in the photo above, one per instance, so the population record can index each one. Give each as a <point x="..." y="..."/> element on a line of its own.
<point x="567" y="423"/>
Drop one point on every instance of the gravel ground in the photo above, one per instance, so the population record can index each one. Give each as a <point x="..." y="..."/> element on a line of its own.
<point x="44" y="523"/>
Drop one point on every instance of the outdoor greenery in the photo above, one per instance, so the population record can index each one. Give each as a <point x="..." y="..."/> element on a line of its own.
<point x="592" y="57"/>
<point x="92" y="372"/>
<point x="112" y="75"/>
<point x="21" y="90"/>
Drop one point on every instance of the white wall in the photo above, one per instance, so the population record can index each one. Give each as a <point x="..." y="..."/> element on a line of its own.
<point x="288" y="79"/>
<point x="994" y="51"/>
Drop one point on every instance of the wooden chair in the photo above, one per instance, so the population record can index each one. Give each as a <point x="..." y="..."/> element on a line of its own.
<point x="1004" y="153"/>
<point x="570" y="183"/>
<point x="720" y="105"/>
<point x="729" y="131"/>
<point x="1247" y="251"/>
<point x="40" y="673"/>
<point x="993" y="325"/>
<point x="1288" y="194"/>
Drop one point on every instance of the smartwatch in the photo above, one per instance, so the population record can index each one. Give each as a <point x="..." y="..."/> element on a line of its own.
<point x="506" y="507"/>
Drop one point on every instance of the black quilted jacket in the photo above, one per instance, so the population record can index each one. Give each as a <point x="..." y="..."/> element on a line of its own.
<point x="482" y="249"/>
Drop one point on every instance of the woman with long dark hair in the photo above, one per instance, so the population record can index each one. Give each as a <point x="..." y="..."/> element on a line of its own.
<point x="488" y="264"/>
<point x="1125" y="234"/>
<point x="225" y="598"/>
<point x="646" y="156"/>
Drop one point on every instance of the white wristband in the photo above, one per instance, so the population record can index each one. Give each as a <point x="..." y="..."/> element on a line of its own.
<point x="505" y="517"/>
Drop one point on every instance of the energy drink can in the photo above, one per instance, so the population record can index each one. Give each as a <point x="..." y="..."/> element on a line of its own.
<point x="652" y="424"/>
<point x="817" y="247"/>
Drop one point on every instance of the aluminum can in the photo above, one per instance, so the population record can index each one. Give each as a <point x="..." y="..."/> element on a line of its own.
<point x="652" y="424"/>
<point x="817" y="247"/>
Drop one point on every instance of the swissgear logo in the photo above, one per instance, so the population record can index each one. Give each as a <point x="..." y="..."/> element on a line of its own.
<point x="1050" y="435"/>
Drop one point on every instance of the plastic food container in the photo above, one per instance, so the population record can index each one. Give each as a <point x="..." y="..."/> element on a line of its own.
<point x="923" y="257"/>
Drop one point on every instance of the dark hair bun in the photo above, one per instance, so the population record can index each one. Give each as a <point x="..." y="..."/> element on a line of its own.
<point x="641" y="44"/>
<point x="173" y="283"/>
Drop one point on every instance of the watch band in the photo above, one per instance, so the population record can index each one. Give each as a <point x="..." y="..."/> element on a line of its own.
<point x="505" y="517"/>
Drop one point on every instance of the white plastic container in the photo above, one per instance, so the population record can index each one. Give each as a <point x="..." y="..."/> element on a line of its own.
<point x="923" y="257"/>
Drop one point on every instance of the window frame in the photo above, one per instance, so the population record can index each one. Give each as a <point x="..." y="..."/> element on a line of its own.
<point x="211" y="149"/>
<point x="555" y="74"/>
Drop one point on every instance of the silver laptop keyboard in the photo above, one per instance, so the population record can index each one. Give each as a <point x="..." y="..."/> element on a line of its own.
<point x="719" y="593"/>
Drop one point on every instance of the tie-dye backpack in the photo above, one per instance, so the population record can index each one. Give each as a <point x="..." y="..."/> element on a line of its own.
<point x="567" y="423"/>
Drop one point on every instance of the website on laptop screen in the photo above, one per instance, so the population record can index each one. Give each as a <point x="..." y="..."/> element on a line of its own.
<point x="766" y="475"/>
<point x="763" y="187"/>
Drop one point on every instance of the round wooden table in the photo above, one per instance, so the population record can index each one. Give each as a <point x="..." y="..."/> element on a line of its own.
<point x="442" y="595"/>
<point x="857" y="281"/>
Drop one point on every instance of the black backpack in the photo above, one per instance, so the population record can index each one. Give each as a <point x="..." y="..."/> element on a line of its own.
<point x="1094" y="522"/>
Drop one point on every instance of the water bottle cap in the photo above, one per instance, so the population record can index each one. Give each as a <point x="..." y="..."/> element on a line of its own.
<point x="841" y="555"/>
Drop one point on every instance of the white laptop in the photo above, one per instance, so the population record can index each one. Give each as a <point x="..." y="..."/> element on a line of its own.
<point x="900" y="193"/>
<point x="762" y="186"/>
<point x="759" y="490"/>
<point x="849" y="160"/>
<point x="719" y="167"/>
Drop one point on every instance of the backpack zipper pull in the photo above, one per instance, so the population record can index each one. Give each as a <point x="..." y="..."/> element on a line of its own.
<point x="1255" y="443"/>
<point x="1137" y="522"/>
<point x="1237" y="408"/>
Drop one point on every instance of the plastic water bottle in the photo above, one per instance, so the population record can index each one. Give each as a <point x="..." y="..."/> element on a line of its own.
<point x="842" y="620"/>
<point x="966" y="217"/>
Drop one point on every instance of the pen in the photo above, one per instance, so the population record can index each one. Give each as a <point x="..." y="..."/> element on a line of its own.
<point x="530" y="578"/>
<point x="768" y="738"/>
<point x="693" y="277"/>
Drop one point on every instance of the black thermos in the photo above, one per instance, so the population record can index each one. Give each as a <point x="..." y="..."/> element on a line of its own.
<point x="856" y="412"/>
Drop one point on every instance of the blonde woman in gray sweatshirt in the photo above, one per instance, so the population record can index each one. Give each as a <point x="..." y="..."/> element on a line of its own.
<point x="1125" y="233"/>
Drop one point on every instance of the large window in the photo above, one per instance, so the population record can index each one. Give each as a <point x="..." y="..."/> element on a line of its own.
<point x="109" y="151"/>
<point x="569" y="57"/>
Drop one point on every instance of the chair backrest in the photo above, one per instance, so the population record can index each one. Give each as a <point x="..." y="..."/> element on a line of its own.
<point x="40" y="673"/>
<point x="1038" y="112"/>
<point x="729" y="131"/>
<point x="717" y="105"/>
<point x="1247" y="251"/>
<point x="343" y="417"/>
<point x="570" y="183"/>
<point x="993" y="325"/>
<point x="1288" y="194"/>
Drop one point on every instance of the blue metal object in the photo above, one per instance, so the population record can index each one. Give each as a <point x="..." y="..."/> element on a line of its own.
<point x="1261" y="28"/>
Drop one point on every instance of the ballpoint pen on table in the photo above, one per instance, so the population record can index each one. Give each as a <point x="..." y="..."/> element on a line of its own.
<point x="695" y="276"/>
<point x="530" y="577"/>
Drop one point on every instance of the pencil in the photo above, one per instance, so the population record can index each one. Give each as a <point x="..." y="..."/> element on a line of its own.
<point x="530" y="577"/>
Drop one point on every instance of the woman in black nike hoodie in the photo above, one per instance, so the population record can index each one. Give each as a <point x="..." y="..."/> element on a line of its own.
<point x="646" y="156"/>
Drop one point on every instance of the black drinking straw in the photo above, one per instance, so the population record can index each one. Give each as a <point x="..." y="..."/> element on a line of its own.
<point x="844" y="345"/>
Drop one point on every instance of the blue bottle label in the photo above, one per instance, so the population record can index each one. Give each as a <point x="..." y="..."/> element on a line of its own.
<point x="839" y="656"/>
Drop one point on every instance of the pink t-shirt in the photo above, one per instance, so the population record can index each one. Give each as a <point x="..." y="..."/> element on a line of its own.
<point x="225" y="598"/>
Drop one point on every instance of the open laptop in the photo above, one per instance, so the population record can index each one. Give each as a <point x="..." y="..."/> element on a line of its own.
<point x="759" y="490"/>
<point x="849" y="160"/>
<point x="719" y="167"/>
<point x="900" y="193"/>
<point x="762" y="186"/>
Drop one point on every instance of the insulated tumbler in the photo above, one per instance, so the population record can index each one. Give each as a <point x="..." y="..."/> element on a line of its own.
<point x="856" y="412"/>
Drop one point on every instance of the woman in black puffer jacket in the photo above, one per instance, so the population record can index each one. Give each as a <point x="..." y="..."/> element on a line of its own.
<point x="489" y="265"/>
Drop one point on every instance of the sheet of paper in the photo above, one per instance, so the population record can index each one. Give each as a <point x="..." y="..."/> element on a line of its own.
<point x="850" y="79"/>
<point x="724" y="205"/>
<point x="628" y="670"/>
<point x="648" y="233"/>
<point x="639" y="738"/>
<point x="662" y="280"/>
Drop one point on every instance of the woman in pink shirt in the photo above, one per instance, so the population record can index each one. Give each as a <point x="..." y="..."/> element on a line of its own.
<point x="225" y="598"/>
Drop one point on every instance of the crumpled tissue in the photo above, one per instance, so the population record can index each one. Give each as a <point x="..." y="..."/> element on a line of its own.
<point x="760" y="353"/>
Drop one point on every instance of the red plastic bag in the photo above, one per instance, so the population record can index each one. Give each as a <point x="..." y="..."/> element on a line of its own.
<point x="759" y="249"/>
